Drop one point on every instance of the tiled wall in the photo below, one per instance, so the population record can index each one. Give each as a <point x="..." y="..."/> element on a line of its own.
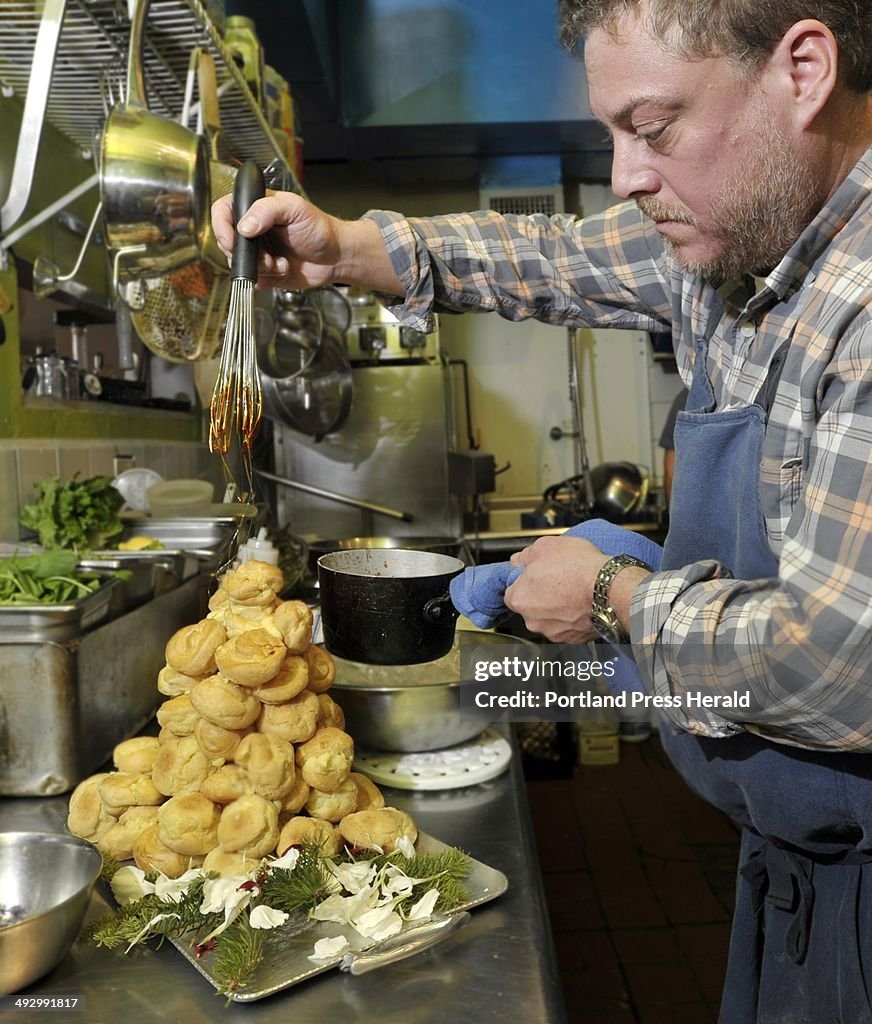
<point x="24" y="463"/>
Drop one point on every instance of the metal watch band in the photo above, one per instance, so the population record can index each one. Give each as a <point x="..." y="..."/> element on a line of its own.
<point x="601" y="611"/>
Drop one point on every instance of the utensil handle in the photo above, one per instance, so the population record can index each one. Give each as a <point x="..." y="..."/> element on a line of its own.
<point x="405" y="944"/>
<point x="248" y="188"/>
<point x="439" y="611"/>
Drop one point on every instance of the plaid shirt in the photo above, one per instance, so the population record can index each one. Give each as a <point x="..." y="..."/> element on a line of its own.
<point x="801" y="644"/>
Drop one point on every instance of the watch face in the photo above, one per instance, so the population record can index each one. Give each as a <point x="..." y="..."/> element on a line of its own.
<point x="607" y="628"/>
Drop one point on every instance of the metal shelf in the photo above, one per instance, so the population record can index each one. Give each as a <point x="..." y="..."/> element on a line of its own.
<point x="88" y="73"/>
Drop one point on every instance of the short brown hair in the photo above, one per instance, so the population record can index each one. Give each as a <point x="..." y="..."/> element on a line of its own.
<point x="745" y="31"/>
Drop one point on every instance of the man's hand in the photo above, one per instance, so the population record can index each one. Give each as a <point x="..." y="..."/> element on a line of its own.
<point x="304" y="247"/>
<point x="554" y="593"/>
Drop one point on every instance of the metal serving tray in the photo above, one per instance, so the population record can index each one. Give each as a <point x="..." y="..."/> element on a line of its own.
<point x="286" y="954"/>
<point x="34" y="623"/>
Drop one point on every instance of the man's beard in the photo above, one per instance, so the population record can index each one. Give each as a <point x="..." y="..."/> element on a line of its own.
<point x="756" y="216"/>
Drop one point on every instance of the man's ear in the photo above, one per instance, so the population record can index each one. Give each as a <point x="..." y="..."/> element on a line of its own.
<point x="805" y="66"/>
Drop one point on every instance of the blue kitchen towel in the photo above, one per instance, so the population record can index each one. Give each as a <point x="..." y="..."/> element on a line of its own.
<point x="478" y="591"/>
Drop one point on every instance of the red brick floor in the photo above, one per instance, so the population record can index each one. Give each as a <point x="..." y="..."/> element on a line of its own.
<point x="638" y="873"/>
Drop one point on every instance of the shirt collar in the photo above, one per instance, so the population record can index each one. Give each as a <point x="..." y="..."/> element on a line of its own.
<point x="793" y="270"/>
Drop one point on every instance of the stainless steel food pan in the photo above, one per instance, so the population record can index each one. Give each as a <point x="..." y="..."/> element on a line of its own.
<point x="29" y="623"/>
<point x="208" y="542"/>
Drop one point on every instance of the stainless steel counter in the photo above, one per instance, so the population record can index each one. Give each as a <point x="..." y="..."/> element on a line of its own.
<point x="499" y="968"/>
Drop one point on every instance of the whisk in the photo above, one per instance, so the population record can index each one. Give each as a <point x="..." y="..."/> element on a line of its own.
<point x="237" y="404"/>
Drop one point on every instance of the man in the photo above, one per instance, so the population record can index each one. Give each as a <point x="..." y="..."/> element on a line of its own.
<point x="741" y="136"/>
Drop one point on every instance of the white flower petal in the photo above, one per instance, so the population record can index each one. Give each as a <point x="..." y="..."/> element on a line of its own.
<point x="129" y="884"/>
<point x="216" y="893"/>
<point x="147" y="927"/>
<point x="424" y="907"/>
<point x="398" y="883"/>
<point x="327" y="949"/>
<point x="171" y="890"/>
<point x="266" y="917"/>
<point x="405" y="846"/>
<point x="344" y="908"/>
<point x="354" y="876"/>
<point x="288" y="861"/>
<point x="377" y="925"/>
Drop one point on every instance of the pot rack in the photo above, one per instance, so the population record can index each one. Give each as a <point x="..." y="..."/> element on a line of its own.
<point x="66" y="60"/>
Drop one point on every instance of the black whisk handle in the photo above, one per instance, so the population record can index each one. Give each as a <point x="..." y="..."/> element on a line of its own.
<point x="248" y="187"/>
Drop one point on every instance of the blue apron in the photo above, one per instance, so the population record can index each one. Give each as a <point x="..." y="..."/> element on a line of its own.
<point x="801" y="943"/>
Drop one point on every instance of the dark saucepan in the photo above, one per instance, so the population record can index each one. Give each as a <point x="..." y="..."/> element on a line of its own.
<point x="387" y="606"/>
<point x="438" y="545"/>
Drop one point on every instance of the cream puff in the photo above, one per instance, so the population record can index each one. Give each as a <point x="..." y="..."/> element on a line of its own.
<point x="178" y="715"/>
<point x="188" y="824"/>
<point x="290" y="680"/>
<point x="180" y="767"/>
<point x="294" y="620"/>
<point x="251" y="658"/>
<point x="191" y="649"/>
<point x="333" y="806"/>
<point x="295" y="721"/>
<point x="325" y="760"/>
<point x="269" y="762"/>
<point x="119" y="840"/>
<point x="369" y="796"/>
<point x="87" y="816"/>
<point x="249" y="825"/>
<point x="322" y="668"/>
<point x="300" y="830"/>
<point x="225" y="703"/>
<point x="136" y="754"/>
<point x="380" y="827"/>
<point x="151" y="855"/>
<point x="120" y="790"/>
<point x="254" y="583"/>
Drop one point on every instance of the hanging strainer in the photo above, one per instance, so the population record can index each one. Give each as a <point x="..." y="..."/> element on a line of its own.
<point x="179" y="315"/>
<point x="182" y="313"/>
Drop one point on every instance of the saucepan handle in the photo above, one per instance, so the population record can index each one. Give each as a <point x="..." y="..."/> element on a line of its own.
<point x="440" y="611"/>
<point x="405" y="944"/>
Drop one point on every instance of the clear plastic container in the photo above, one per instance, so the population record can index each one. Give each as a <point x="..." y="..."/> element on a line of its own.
<point x="173" y="498"/>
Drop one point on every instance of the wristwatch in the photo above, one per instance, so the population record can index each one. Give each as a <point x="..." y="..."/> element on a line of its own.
<point x="602" y="615"/>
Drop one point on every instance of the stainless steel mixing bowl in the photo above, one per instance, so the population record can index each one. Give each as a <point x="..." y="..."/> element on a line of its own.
<point x="45" y="885"/>
<point x="410" y="708"/>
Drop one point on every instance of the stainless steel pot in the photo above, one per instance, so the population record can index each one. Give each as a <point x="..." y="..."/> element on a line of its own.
<point x="414" y="707"/>
<point x="619" y="488"/>
<point x="154" y="178"/>
<point x="387" y="607"/>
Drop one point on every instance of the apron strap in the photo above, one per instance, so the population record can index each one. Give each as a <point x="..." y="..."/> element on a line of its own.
<point x="784" y="879"/>
<point x="766" y="395"/>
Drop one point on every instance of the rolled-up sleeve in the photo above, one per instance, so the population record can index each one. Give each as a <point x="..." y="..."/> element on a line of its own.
<point x="607" y="270"/>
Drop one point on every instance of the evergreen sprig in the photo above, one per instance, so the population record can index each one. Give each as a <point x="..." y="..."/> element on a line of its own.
<point x="238" y="953"/>
<point x="129" y="921"/>
<point x="304" y="887"/>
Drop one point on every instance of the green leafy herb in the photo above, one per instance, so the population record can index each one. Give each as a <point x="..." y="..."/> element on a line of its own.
<point x="80" y="514"/>
<point x="50" y="577"/>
